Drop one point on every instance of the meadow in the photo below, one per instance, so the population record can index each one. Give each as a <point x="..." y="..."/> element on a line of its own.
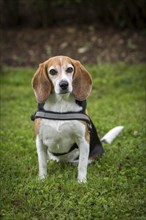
<point x="116" y="183"/>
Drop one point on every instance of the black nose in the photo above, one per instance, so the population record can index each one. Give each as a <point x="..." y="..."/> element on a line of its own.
<point x="63" y="84"/>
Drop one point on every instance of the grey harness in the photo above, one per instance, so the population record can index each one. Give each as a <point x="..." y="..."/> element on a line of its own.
<point x="64" y="116"/>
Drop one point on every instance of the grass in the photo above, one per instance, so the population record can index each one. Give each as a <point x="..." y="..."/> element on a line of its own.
<point x="115" y="188"/>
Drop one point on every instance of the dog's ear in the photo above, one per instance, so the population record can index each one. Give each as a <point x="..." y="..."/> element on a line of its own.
<point x="82" y="81"/>
<point x="41" y="83"/>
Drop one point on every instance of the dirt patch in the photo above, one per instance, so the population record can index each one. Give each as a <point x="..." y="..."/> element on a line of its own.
<point x="29" y="47"/>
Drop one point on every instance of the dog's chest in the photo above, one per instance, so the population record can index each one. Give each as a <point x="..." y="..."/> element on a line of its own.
<point x="59" y="136"/>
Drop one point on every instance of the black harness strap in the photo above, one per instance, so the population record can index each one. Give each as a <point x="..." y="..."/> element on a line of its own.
<point x="74" y="146"/>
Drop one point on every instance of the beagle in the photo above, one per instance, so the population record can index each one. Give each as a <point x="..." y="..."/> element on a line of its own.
<point x="62" y="85"/>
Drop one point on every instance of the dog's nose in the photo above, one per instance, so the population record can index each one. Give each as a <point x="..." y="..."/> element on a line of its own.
<point x="63" y="84"/>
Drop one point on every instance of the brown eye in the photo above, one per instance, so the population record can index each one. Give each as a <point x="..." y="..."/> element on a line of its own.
<point x="53" y="72"/>
<point x="69" y="70"/>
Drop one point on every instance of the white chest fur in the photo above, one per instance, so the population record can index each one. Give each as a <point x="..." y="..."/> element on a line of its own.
<point x="59" y="136"/>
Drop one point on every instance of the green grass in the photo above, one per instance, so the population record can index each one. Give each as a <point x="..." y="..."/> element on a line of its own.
<point x="115" y="187"/>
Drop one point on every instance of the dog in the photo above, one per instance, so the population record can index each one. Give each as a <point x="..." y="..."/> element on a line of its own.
<point x="61" y="86"/>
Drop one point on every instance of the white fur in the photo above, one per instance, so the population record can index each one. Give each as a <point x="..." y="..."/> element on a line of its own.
<point x="111" y="135"/>
<point x="42" y="157"/>
<point x="61" y="103"/>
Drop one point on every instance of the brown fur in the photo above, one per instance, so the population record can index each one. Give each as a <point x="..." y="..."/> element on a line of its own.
<point x="41" y="83"/>
<point x="82" y="82"/>
<point x="87" y="133"/>
<point x="37" y="125"/>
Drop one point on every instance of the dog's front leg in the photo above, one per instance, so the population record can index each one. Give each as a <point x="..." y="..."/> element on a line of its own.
<point x="42" y="157"/>
<point x="83" y="160"/>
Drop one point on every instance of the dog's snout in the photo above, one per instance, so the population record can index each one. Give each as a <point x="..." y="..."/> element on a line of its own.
<point x="63" y="84"/>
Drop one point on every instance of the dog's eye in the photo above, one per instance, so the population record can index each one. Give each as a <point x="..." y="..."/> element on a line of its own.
<point x="69" y="70"/>
<point x="53" y="72"/>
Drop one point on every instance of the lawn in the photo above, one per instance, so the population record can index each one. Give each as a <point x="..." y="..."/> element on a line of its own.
<point x="115" y="189"/>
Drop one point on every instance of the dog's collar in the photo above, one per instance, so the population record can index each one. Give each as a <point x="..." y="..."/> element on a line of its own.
<point x="41" y="113"/>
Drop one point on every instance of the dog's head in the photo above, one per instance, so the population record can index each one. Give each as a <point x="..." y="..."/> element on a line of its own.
<point x="61" y="74"/>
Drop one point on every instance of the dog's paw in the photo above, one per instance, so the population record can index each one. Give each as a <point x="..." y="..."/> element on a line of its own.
<point x="42" y="177"/>
<point x="82" y="180"/>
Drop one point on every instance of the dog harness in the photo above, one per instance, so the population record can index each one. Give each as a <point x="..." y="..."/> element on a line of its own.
<point x="96" y="148"/>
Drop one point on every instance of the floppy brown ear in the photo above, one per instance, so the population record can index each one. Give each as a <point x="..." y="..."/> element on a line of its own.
<point x="41" y="84"/>
<point x="82" y="82"/>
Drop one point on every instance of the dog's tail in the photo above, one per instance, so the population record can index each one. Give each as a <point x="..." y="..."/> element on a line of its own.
<point x="111" y="135"/>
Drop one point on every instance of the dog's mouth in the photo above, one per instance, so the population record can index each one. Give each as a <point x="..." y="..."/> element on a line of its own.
<point x="64" y="91"/>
